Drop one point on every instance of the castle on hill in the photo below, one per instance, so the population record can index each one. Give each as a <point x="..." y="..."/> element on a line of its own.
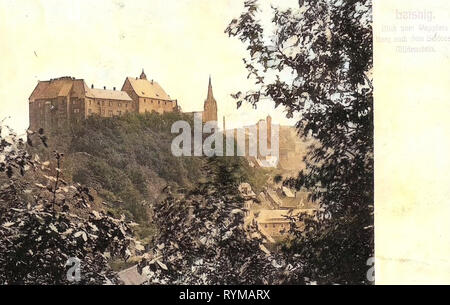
<point x="58" y="101"/>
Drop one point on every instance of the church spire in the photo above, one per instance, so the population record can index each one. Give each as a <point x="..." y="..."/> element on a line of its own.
<point x="210" y="105"/>
<point x="210" y="92"/>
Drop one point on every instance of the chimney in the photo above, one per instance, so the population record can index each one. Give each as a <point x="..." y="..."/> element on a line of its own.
<point x="92" y="86"/>
<point x="152" y="81"/>
<point x="114" y="88"/>
<point x="104" y="87"/>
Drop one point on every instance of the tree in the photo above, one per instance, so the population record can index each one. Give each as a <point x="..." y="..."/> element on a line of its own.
<point x="203" y="237"/>
<point x="44" y="222"/>
<point x="317" y="63"/>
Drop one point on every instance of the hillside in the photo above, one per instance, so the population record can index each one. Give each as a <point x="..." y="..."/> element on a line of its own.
<point x="127" y="163"/>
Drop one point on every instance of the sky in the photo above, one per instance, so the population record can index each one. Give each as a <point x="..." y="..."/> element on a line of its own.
<point x="178" y="43"/>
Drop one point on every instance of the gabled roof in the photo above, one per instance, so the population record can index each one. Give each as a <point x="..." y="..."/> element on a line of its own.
<point x="65" y="89"/>
<point x="58" y="87"/>
<point x="273" y="195"/>
<point x="148" y="89"/>
<point x="108" y="94"/>
<point x="288" y="192"/>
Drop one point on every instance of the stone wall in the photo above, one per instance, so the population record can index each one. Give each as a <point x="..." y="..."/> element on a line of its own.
<point x="160" y="106"/>
<point x="108" y="108"/>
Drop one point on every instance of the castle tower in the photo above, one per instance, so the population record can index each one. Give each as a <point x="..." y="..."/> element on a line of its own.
<point x="143" y="76"/>
<point x="210" y="106"/>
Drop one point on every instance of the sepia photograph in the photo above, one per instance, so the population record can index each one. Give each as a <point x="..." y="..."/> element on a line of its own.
<point x="189" y="142"/>
<point x="193" y="143"/>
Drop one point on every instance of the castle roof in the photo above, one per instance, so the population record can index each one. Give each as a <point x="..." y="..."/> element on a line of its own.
<point x="108" y="94"/>
<point x="148" y="89"/>
<point x="59" y="87"/>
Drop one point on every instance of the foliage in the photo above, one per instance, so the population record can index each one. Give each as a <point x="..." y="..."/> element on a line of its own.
<point x="277" y="179"/>
<point x="317" y="63"/>
<point x="126" y="159"/>
<point x="203" y="238"/>
<point x="44" y="221"/>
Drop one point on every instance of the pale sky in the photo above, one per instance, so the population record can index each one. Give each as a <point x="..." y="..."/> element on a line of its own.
<point x="179" y="43"/>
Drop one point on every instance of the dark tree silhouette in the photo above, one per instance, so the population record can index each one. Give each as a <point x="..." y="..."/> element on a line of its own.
<point x="316" y="61"/>
<point x="203" y="238"/>
<point x="44" y="222"/>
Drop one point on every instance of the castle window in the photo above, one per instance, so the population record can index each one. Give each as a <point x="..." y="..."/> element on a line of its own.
<point x="110" y="113"/>
<point x="103" y="103"/>
<point x="120" y="104"/>
<point x="89" y="102"/>
<point x="76" y="110"/>
<point x="98" y="103"/>
<point x="110" y="103"/>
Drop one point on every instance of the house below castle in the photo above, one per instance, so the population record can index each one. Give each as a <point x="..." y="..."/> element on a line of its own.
<point x="66" y="99"/>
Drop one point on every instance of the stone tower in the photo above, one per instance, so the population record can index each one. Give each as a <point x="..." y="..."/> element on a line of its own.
<point x="210" y="106"/>
<point x="143" y="76"/>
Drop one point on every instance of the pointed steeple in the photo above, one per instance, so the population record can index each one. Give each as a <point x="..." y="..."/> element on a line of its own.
<point x="210" y="92"/>
<point x="143" y="76"/>
<point x="210" y="105"/>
